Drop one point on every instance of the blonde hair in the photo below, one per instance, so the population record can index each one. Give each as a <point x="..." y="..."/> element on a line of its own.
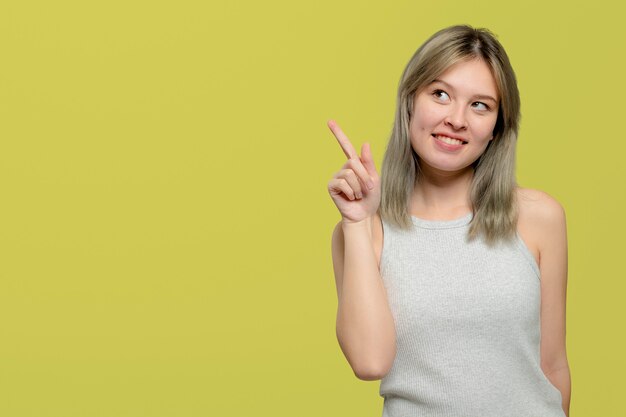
<point x="493" y="186"/>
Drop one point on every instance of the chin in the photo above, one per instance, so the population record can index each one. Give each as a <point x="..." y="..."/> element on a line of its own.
<point x="445" y="167"/>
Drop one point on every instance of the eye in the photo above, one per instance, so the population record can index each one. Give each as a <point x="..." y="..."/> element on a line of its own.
<point x="437" y="93"/>
<point x="486" y="107"/>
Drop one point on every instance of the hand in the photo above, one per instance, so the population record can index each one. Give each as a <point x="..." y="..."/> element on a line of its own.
<point x="355" y="189"/>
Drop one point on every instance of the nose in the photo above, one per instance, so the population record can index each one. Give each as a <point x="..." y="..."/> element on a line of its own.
<point x="456" y="117"/>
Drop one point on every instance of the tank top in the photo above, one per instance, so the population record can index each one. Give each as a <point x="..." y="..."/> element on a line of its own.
<point x="467" y="320"/>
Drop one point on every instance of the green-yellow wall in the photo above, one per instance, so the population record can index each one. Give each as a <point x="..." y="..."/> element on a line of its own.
<point x="164" y="219"/>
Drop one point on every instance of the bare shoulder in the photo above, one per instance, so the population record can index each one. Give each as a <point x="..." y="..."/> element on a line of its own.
<point x="539" y="205"/>
<point x="541" y="219"/>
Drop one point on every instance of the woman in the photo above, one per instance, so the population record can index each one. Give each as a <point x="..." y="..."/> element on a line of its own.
<point x="451" y="279"/>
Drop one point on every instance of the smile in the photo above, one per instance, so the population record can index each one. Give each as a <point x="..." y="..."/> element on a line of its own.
<point x="448" y="140"/>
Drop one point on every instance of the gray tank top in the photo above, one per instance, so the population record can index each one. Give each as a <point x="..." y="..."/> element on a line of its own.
<point x="467" y="320"/>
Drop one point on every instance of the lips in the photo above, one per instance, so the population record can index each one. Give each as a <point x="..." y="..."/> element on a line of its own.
<point x="452" y="140"/>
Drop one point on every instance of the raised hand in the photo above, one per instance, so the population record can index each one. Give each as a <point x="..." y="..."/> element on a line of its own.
<point x="355" y="189"/>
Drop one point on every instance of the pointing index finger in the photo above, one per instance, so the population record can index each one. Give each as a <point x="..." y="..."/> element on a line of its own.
<point x="343" y="140"/>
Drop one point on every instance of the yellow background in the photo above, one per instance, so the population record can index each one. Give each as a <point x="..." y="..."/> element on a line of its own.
<point x="165" y="224"/>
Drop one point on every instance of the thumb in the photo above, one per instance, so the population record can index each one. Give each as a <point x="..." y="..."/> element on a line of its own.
<point x="367" y="159"/>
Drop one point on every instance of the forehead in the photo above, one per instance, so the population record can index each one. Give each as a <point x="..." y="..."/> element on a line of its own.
<point x="473" y="77"/>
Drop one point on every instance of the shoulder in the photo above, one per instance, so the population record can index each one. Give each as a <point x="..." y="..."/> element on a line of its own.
<point x="539" y="206"/>
<point x="544" y="217"/>
<point x="541" y="220"/>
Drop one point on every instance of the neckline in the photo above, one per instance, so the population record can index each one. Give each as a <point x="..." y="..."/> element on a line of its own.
<point x="443" y="224"/>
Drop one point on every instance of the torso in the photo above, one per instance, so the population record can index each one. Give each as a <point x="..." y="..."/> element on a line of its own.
<point x="527" y="199"/>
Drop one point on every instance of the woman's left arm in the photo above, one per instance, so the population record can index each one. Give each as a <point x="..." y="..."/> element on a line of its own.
<point x="553" y="266"/>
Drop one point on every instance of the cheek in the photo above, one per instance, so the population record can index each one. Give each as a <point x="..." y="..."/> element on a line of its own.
<point x="484" y="128"/>
<point x="425" y="120"/>
<point x="426" y="114"/>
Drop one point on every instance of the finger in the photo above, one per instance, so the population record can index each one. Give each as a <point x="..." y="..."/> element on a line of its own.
<point x="353" y="180"/>
<point x="357" y="166"/>
<point x="338" y="186"/>
<point x="368" y="160"/>
<point x="343" y="140"/>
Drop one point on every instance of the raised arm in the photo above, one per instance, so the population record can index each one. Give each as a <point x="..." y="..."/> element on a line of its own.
<point x="365" y="327"/>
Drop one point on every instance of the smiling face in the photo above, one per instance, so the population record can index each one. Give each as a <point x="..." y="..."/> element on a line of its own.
<point x="462" y="103"/>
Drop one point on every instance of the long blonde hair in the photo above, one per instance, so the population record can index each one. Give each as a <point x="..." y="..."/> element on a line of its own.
<point x="493" y="185"/>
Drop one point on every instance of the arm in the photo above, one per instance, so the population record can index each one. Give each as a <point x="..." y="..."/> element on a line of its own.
<point x="365" y="327"/>
<point x="553" y="266"/>
<point x="561" y="379"/>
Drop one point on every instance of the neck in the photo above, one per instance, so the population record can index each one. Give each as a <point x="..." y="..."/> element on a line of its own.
<point x="442" y="194"/>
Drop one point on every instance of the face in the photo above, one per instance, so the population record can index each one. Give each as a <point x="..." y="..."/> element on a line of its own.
<point x="462" y="103"/>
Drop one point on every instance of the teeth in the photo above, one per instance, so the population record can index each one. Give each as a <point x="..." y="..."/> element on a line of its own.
<point x="449" y="140"/>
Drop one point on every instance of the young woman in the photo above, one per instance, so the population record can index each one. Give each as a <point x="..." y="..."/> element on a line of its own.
<point x="451" y="279"/>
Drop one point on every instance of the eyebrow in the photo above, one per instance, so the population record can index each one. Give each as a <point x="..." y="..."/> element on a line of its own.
<point x="480" y="96"/>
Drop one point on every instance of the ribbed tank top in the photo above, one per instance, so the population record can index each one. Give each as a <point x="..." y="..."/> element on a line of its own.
<point x="467" y="320"/>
